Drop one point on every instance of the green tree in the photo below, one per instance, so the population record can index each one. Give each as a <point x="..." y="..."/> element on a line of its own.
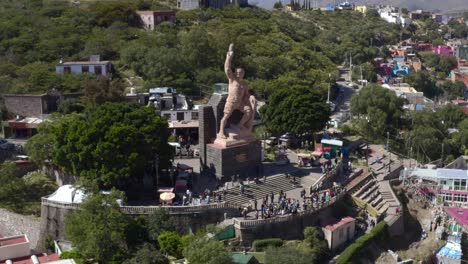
<point x="124" y="138"/>
<point x="423" y="82"/>
<point x="318" y="246"/>
<point x="206" y="251"/>
<point x="170" y="243"/>
<point x="451" y="115"/>
<point x="427" y="135"/>
<point x="278" y="5"/>
<point x="147" y="254"/>
<point x="100" y="90"/>
<point x="158" y="222"/>
<point x="453" y="90"/>
<point x="97" y="231"/>
<point x="381" y="107"/>
<point x="460" y="139"/>
<point x="69" y="106"/>
<point x="40" y="146"/>
<point x="446" y="64"/>
<point x="368" y="72"/>
<point x="298" y="110"/>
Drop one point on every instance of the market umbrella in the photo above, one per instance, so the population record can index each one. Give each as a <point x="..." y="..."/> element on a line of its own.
<point x="167" y="196"/>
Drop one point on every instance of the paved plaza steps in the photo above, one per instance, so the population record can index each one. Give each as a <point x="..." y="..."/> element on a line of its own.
<point x="257" y="191"/>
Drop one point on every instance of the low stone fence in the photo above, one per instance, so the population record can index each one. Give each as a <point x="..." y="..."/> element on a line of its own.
<point x="144" y="210"/>
<point x="244" y="224"/>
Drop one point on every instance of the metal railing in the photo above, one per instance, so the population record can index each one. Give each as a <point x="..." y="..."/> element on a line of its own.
<point x="327" y="175"/>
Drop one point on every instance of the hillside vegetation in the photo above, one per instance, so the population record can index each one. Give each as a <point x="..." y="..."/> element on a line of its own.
<point x="276" y="49"/>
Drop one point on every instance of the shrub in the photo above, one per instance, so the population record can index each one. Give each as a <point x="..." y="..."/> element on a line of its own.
<point x="263" y="244"/>
<point x="70" y="255"/>
<point x="357" y="249"/>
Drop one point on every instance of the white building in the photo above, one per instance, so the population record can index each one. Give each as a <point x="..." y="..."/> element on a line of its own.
<point x="188" y="4"/>
<point x="391" y="15"/>
<point x="338" y="232"/>
<point x="94" y="65"/>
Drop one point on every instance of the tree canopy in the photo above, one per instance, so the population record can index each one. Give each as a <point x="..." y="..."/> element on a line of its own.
<point x="381" y="107"/>
<point x="298" y="110"/>
<point x="106" y="146"/>
<point x="98" y="229"/>
<point x="206" y="251"/>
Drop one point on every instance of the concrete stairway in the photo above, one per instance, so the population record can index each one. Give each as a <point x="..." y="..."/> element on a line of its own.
<point x="257" y="191"/>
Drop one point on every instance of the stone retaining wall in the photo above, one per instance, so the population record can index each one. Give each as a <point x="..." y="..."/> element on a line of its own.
<point x="16" y="224"/>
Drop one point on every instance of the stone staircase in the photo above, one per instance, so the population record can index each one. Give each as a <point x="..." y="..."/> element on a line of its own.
<point x="376" y="194"/>
<point x="369" y="192"/>
<point x="257" y="191"/>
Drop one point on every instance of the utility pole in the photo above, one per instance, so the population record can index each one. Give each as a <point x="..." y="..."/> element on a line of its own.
<point x="361" y="72"/>
<point x="389" y="153"/>
<point x="328" y="96"/>
<point x="410" y="158"/>
<point x="442" y="158"/>
<point x="156" y="167"/>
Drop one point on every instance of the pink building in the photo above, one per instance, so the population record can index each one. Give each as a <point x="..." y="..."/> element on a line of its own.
<point x="443" y="50"/>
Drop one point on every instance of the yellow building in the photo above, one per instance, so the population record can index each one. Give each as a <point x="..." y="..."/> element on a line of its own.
<point x="362" y="9"/>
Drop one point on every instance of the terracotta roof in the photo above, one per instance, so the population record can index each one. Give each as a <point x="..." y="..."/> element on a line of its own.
<point x="13" y="240"/>
<point x="332" y="225"/>
<point x="43" y="258"/>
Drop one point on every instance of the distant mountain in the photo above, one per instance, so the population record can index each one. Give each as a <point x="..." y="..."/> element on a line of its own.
<point x="431" y="5"/>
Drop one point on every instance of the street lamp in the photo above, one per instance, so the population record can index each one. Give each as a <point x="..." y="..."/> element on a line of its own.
<point x="367" y="141"/>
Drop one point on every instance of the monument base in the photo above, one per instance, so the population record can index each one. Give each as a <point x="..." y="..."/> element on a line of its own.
<point x="225" y="162"/>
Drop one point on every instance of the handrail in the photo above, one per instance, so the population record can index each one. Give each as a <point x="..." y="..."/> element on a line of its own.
<point x="327" y="175"/>
<point x="146" y="209"/>
<point x="240" y="224"/>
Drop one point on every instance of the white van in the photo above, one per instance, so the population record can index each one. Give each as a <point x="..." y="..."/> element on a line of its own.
<point x="176" y="147"/>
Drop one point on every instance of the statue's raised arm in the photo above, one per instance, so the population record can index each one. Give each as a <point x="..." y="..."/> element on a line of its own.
<point x="227" y="64"/>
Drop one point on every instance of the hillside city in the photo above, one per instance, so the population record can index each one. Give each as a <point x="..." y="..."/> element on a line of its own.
<point x="219" y="132"/>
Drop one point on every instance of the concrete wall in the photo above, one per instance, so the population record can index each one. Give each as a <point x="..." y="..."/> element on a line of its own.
<point x="53" y="220"/>
<point x="60" y="177"/>
<point x="26" y="105"/>
<point x="287" y="230"/>
<point x="397" y="227"/>
<point x="15" y="224"/>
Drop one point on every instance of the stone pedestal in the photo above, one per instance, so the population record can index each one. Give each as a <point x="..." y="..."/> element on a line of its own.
<point x="225" y="162"/>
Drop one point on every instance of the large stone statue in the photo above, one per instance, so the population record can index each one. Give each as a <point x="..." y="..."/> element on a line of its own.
<point x="239" y="98"/>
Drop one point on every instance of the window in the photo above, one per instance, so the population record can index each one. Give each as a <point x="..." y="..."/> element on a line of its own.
<point x="98" y="70"/>
<point x="180" y="116"/>
<point x="168" y="116"/>
<point x="194" y="115"/>
<point x="461" y="198"/>
<point x="456" y="184"/>
<point x="84" y="69"/>
<point x="178" y="4"/>
<point x="67" y="69"/>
